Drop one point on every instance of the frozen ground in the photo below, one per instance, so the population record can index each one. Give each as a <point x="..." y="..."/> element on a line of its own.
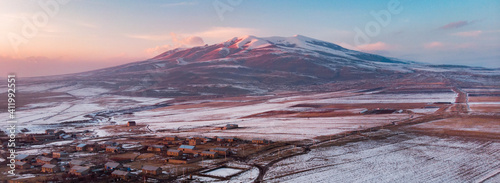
<point x="400" y="158"/>
<point x="223" y="172"/>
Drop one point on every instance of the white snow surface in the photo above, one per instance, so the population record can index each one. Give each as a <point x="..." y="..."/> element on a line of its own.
<point x="396" y="159"/>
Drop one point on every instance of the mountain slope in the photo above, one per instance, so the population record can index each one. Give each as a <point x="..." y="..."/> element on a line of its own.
<point x="252" y="65"/>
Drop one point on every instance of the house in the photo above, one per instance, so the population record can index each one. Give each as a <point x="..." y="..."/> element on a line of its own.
<point x="230" y="126"/>
<point x="183" y="161"/>
<point x="171" y="138"/>
<point x="113" y="149"/>
<point x="187" y="148"/>
<point x="50" y="132"/>
<point x="121" y="174"/>
<point x="193" y="142"/>
<point x="173" y="152"/>
<point x="108" y="143"/>
<point x="46" y="160"/>
<point x="260" y="141"/>
<point x="60" y="155"/>
<point x="77" y="163"/>
<point x="26" y="158"/>
<point x="153" y="170"/>
<point x="220" y="150"/>
<point x="226" y="139"/>
<point x="22" y="165"/>
<point x="81" y="147"/>
<point x="112" y="166"/>
<point x="209" y="154"/>
<point x="79" y="170"/>
<point x="50" y="168"/>
<point x="131" y="123"/>
<point x="157" y="148"/>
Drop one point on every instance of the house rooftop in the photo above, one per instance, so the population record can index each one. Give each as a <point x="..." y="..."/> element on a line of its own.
<point x="119" y="172"/>
<point x="220" y="149"/>
<point x="208" y="152"/>
<point x="45" y="158"/>
<point x="81" y="145"/>
<point x="150" y="167"/>
<point x="48" y="166"/>
<point x="80" y="169"/>
<point x="21" y="156"/>
<point x="174" y="150"/>
<point x="112" y="164"/>
<point x="20" y="163"/>
<point x="186" y="147"/>
<point x="77" y="162"/>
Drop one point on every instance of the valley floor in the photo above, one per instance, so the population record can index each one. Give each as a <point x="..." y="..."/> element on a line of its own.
<point x="380" y="135"/>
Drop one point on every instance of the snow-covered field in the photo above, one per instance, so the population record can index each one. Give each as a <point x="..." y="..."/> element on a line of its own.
<point x="400" y="158"/>
<point x="195" y="114"/>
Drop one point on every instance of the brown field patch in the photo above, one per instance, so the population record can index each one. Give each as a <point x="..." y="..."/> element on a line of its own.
<point x="473" y="126"/>
<point x="484" y="99"/>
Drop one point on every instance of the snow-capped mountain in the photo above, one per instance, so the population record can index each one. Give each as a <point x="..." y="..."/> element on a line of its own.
<point x="253" y="65"/>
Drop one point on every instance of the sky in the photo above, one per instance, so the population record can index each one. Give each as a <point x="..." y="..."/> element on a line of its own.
<point x="51" y="37"/>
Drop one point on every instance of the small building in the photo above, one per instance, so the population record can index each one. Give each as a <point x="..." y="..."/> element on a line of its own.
<point x="260" y="141"/>
<point x="187" y="148"/>
<point x="46" y="160"/>
<point x="183" y="161"/>
<point x="226" y="139"/>
<point x="193" y="142"/>
<point x="173" y="152"/>
<point x="79" y="170"/>
<point x="60" y="155"/>
<point x="50" y="132"/>
<point x="76" y="162"/>
<point x="110" y="166"/>
<point x="113" y="149"/>
<point x="171" y="138"/>
<point x="22" y="165"/>
<point x="153" y="170"/>
<point x="121" y="174"/>
<point x="25" y="158"/>
<point x="131" y="123"/>
<point x="81" y="147"/>
<point x="220" y="150"/>
<point x="157" y="148"/>
<point x="209" y="154"/>
<point x="230" y="126"/>
<point x="50" y="168"/>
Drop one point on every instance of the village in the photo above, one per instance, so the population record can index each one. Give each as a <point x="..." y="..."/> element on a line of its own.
<point x="148" y="159"/>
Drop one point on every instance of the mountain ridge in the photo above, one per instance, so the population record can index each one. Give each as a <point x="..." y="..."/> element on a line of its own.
<point x="250" y="65"/>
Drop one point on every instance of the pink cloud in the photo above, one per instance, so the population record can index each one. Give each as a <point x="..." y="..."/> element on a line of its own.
<point x="378" y="46"/>
<point x="191" y="40"/>
<point x="468" y="34"/>
<point x="435" y="44"/>
<point x="454" y="25"/>
<point x="178" y="42"/>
